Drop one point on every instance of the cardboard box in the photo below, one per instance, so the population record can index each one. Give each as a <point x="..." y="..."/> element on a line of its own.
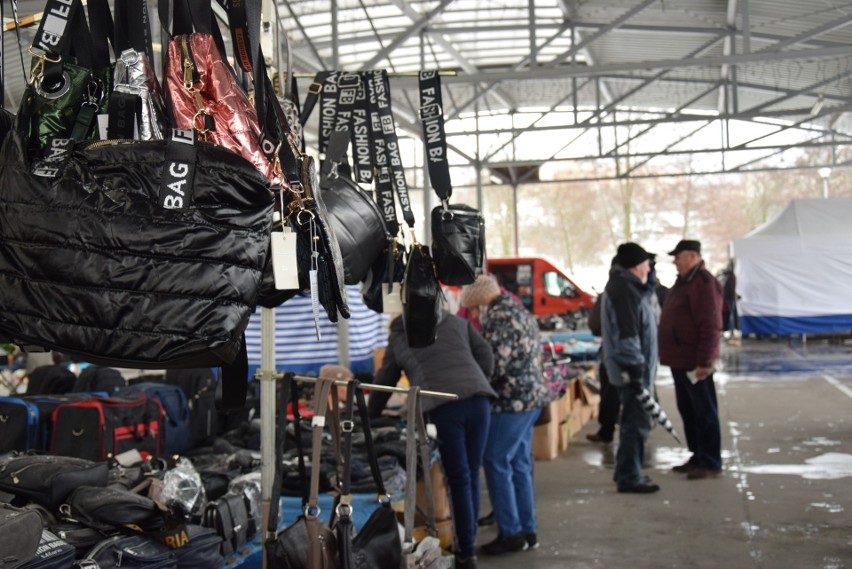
<point x="565" y="434"/>
<point x="545" y="444"/>
<point x="440" y="499"/>
<point x="564" y="403"/>
<point x="576" y="417"/>
<point x="445" y="532"/>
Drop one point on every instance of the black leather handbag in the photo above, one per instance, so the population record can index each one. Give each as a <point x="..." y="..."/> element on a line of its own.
<point x="357" y="221"/>
<point x="377" y="545"/>
<point x="421" y="308"/>
<point x="229" y="517"/>
<point x="458" y="231"/>
<point x="458" y="243"/>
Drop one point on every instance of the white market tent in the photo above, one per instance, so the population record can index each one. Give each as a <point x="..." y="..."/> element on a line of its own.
<point x="794" y="273"/>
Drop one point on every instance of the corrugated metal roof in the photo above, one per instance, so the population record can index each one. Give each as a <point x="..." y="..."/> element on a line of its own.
<point x="744" y="61"/>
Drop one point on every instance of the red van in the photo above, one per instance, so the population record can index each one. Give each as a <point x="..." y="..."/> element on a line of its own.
<point x="554" y="299"/>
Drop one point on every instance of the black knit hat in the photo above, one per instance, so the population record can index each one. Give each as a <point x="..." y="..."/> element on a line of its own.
<point x="686" y="245"/>
<point x="631" y="254"/>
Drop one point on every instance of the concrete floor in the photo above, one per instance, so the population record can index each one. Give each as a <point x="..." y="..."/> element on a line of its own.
<point x="784" y="502"/>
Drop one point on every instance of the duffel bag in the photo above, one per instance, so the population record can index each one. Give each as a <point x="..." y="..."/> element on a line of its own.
<point x="129" y="552"/>
<point x="109" y="509"/>
<point x="143" y="254"/>
<point x="20" y="531"/>
<point x="99" y="427"/>
<point x="47" y="480"/>
<point x="52" y="553"/>
<point x="202" y="551"/>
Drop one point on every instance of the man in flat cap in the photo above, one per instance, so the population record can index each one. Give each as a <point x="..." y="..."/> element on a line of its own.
<point x="629" y="332"/>
<point x="690" y="328"/>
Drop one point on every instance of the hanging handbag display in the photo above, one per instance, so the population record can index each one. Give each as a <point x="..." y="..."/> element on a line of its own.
<point x="421" y="292"/>
<point x="107" y="279"/>
<point x="302" y="210"/>
<point x="458" y="231"/>
<point x="308" y="543"/>
<point x="377" y="544"/>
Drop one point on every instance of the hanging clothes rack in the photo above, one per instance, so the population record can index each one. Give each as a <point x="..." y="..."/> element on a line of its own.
<point x="373" y="386"/>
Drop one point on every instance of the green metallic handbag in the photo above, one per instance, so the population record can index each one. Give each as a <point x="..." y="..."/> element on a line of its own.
<point x="65" y="95"/>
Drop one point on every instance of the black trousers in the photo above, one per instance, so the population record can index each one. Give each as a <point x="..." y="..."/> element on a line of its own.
<point x="610" y="405"/>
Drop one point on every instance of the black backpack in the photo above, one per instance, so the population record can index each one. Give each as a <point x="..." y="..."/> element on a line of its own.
<point x="51" y="380"/>
<point x="97" y="378"/>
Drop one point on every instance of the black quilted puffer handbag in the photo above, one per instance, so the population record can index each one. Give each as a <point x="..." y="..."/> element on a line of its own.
<point x="142" y="254"/>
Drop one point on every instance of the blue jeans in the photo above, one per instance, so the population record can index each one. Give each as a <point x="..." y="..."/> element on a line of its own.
<point x="633" y="432"/>
<point x="700" y="413"/>
<point x="508" y="471"/>
<point x="462" y="432"/>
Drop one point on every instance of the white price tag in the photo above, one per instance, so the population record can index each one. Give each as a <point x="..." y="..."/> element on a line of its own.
<point x="391" y="298"/>
<point x="103" y="121"/>
<point x="284" y="265"/>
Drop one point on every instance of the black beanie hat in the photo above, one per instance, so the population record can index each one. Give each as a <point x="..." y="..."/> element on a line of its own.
<point x="631" y="254"/>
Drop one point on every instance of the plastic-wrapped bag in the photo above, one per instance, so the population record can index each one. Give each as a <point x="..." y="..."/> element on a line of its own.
<point x="183" y="490"/>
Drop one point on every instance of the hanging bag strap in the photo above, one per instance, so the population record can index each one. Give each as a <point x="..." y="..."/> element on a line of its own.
<point x="400" y="186"/>
<point x="62" y="27"/>
<point x="347" y="425"/>
<point x="434" y="136"/>
<point x="341" y="103"/>
<point x="314" y="89"/>
<point x="416" y="443"/>
<point x="360" y="131"/>
<point x="133" y="28"/>
<point x="312" y="511"/>
<point x="286" y="392"/>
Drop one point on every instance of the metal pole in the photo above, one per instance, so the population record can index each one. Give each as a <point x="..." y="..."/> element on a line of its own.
<point x="375" y="387"/>
<point x="824" y="173"/>
<point x="267" y="378"/>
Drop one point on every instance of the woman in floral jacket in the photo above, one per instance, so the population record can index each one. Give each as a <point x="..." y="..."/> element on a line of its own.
<point x="519" y="383"/>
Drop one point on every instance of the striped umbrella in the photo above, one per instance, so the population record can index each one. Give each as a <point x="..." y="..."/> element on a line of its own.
<point x="656" y="412"/>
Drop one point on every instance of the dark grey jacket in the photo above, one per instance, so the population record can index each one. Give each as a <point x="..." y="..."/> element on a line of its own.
<point x="629" y="329"/>
<point x="460" y="362"/>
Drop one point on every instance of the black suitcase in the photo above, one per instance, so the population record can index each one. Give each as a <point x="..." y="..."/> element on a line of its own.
<point x="19" y="425"/>
<point x="101" y="427"/>
<point x="199" y="384"/>
<point x="46" y="404"/>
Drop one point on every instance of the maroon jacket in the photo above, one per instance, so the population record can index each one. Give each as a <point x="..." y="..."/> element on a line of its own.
<point x="691" y="321"/>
